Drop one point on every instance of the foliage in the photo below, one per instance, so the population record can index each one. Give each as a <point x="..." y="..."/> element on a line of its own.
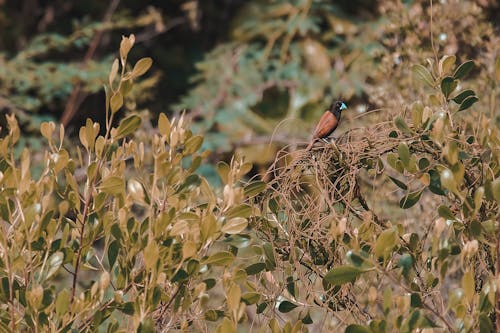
<point x="36" y="78"/>
<point x="437" y="269"/>
<point x="84" y="247"/>
<point x="284" y="60"/>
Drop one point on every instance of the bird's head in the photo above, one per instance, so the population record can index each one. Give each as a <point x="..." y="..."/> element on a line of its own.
<point x="338" y="107"/>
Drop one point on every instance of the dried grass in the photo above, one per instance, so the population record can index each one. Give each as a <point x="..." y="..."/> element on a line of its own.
<point x="319" y="198"/>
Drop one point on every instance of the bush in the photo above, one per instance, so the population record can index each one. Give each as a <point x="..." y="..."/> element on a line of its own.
<point x="121" y="233"/>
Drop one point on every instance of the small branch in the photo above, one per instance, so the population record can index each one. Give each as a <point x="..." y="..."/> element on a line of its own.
<point x="74" y="98"/>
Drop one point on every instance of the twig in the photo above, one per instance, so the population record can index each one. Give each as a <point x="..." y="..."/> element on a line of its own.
<point x="73" y="100"/>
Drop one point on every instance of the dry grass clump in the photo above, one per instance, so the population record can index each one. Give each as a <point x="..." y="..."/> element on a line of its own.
<point x="314" y="201"/>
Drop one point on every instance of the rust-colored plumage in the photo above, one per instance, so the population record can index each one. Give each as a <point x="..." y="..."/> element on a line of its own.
<point x="328" y="122"/>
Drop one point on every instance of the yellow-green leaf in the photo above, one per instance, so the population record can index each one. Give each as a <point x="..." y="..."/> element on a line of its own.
<point x="151" y="254"/>
<point x="113" y="185"/>
<point x="468" y="285"/>
<point x="142" y="66"/>
<point x="112" y="74"/>
<point x="128" y="126"/>
<point x="235" y="225"/>
<point x="193" y="144"/>
<point x="223" y="258"/>
<point x="116" y="101"/>
<point x="343" y="274"/>
<point x="164" y="125"/>
<point x="423" y="74"/>
<point x="385" y="242"/>
<point x="446" y="64"/>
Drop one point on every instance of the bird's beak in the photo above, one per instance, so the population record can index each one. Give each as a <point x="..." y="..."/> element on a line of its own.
<point x="343" y="107"/>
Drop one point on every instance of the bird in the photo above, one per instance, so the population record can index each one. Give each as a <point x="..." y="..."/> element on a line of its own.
<point x="328" y="122"/>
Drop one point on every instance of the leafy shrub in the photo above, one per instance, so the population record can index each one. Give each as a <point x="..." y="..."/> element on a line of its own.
<point x="119" y="233"/>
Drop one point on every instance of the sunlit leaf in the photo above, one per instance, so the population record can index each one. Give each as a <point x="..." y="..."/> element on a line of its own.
<point x="235" y="225"/>
<point x="223" y="258"/>
<point x="116" y="101"/>
<point x="128" y="126"/>
<point x="423" y="74"/>
<point x="385" y="242"/>
<point x="142" y="66"/>
<point x="355" y="328"/>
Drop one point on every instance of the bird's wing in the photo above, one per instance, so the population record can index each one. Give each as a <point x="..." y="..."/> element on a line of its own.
<point x="326" y="125"/>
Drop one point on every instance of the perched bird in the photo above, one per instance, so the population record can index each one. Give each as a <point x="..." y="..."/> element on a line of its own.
<point x="328" y="122"/>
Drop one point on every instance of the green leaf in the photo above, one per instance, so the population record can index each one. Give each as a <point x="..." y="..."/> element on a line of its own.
<point x="113" y="249"/>
<point x="423" y="74"/>
<point x="423" y="163"/>
<point x="495" y="189"/>
<point x="274" y="326"/>
<point x="448" y="85"/>
<point x="445" y="212"/>
<point x="343" y="274"/>
<point x="468" y="102"/>
<point x="463" y="95"/>
<point x="485" y="325"/>
<point x="55" y="262"/>
<point x="226" y="326"/>
<point x="151" y="255"/>
<point x="242" y="210"/>
<point x="415" y="300"/>
<point x="268" y="250"/>
<point x="223" y="258"/>
<point x="254" y="188"/>
<point x="250" y="298"/>
<point x="435" y="183"/>
<point x="193" y="144"/>
<point x="410" y="200"/>
<point x="468" y="285"/>
<point x="399" y="183"/>
<point x="116" y="101"/>
<point x="404" y="153"/>
<point x="223" y="171"/>
<point x="211" y="315"/>
<point x="62" y="302"/>
<point x="127" y="126"/>
<point x="164" y="125"/>
<point x="446" y="64"/>
<point x="354" y="328"/>
<point x="463" y="69"/>
<point x="401" y="125"/>
<point x="142" y="66"/>
<point x="286" y="306"/>
<point x="146" y="326"/>
<point x="235" y="225"/>
<point x="255" y="268"/>
<point x="385" y="242"/>
<point x="113" y="185"/>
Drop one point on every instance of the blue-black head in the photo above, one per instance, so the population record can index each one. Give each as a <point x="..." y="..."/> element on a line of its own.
<point x="338" y="106"/>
